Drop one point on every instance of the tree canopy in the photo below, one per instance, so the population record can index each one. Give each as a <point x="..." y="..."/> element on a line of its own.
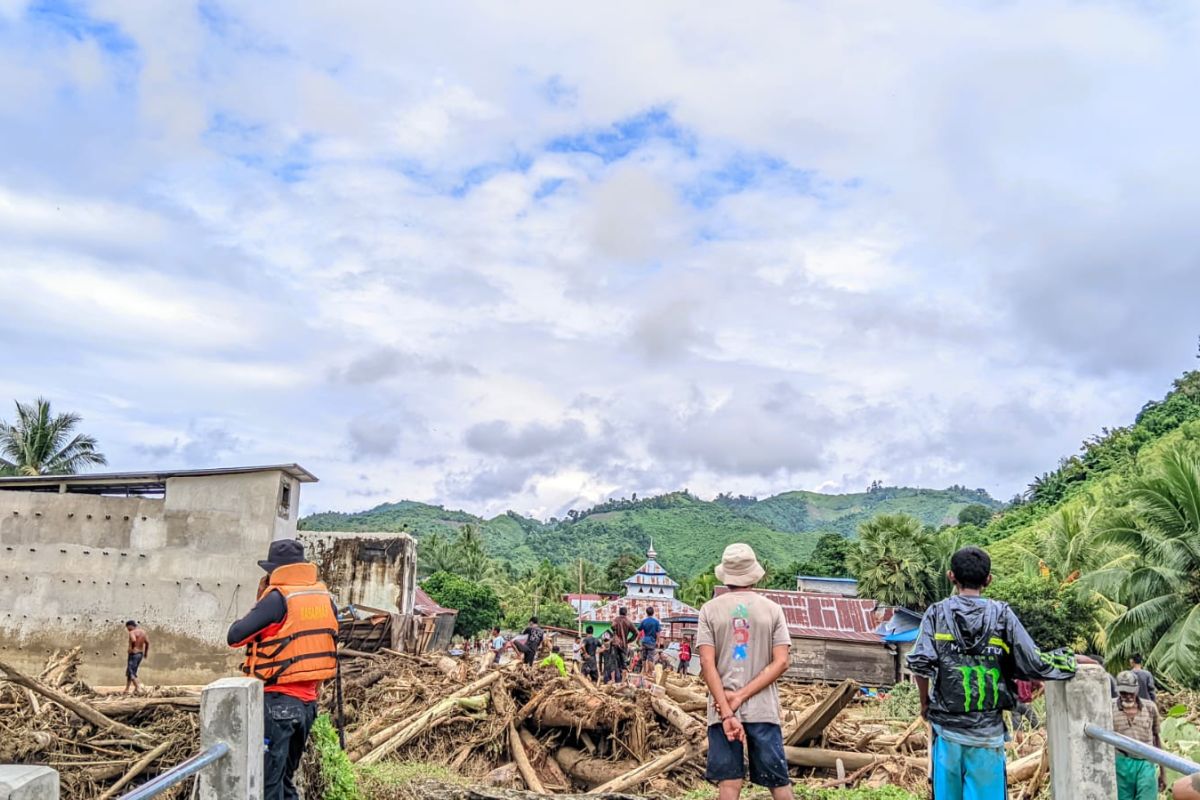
<point x="477" y="604"/>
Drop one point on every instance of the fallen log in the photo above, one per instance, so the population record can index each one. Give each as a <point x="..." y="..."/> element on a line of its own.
<point x="422" y="723"/>
<point x="131" y="705"/>
<point x="822" y="758"/>
<point x="78" y="707"/>
<point x="685" y="697"/>
<point x="677" y="718"/>
<point x="539" y="756"/>
<point x="1023" y="768"/>
<point x="578" y="712"/>
<point x="521" y="758"/>
<point x="137" y="769"/>
<point x="588" y="769"/>
<point x="818" y="717"/>
<point x="650" y="769"/>
<point x="376" y="739"/>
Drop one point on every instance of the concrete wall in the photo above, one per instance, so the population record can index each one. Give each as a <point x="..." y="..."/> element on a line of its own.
<point x="75" y="566"/>
<point x="371" y="569"/>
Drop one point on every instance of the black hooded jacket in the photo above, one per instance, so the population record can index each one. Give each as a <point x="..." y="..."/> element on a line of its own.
<point x="973" y="650"/>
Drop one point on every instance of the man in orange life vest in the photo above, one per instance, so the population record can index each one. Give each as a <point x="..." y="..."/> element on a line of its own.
<point x="290" y="638"/>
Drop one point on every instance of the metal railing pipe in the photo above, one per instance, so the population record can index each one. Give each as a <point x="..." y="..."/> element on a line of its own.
<point x="180" y="772"/>
<point x="1140" y="750"/>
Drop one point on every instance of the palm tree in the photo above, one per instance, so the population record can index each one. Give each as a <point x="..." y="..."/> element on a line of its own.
<point x="40" y="443"/>
<point x="699" y="590"/>
<point x="436" y="554"/>
<point x="1161" y="587"/>
<point x="1074" y="549"/>
<point x="892" y="561"/>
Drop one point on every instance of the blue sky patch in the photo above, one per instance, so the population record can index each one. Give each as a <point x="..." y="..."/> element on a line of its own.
<point x="742" y="171"/>
<point x="625" y="136"/>
<point x="71" y="19"/>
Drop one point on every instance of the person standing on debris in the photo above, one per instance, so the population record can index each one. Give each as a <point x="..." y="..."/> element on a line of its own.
<point x="649" y="629"/>
<point x="290" y="638"/>
<point x="530" y="641"/>
<point x="139" y="648"/>
<point x="743" y="641"/>
<point x="1137" y="779"/>
<point x="590" y="645"/>
<point x="1146" y="688"/>
<point x="498" y="644"/>
<point x="610" y="672"/>
<point x="623" y="633"/>
<point x="969" y="651"/>
<point x="685" y="656"/>
<point x="1023" y="710"/>
<point x="555" y="660"/>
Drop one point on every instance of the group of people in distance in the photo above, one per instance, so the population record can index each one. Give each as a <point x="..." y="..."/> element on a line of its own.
<point x="973" y="660"/>
<point x="605" y="659"/>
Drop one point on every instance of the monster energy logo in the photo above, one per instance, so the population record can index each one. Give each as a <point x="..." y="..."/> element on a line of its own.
<point x="981" y="675"/>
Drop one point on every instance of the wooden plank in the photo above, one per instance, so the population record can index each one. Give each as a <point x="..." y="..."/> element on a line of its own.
<point x="818" y="717"/>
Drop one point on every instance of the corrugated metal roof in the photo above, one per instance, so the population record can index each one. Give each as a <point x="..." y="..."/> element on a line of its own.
<point x="811" y="615"/>
<point x="424" y="604"/>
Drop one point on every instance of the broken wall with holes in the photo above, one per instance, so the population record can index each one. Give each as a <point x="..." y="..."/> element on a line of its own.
<point x="367" y="569"/>
<point x="74" y="567"/>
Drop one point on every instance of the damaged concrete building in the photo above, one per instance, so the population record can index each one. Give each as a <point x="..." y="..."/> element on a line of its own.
<point x="176" y="551"/>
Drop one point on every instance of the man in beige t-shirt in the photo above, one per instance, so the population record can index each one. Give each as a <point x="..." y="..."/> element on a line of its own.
<point x="743" y="643"/>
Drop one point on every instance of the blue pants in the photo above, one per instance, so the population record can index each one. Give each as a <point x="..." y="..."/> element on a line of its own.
<point x="961" y="772"/>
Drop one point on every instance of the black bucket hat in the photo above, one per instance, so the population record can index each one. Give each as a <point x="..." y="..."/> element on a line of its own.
<point x="282" y="553"/>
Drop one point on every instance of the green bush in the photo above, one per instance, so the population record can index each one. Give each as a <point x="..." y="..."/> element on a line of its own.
<point x="902" y="702"/>
<point x="477" y="605"/>
<point x="1055" y="616"/>
<point x="336" y="772"/>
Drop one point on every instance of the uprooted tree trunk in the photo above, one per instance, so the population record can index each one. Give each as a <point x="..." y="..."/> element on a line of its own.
<point x="588" y="769"/>
<point x="651" y="768"/>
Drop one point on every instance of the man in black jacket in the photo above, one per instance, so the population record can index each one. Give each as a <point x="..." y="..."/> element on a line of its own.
<point x="967" y="658"/>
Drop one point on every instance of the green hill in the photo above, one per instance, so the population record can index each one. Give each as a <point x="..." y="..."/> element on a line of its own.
<point x="1100" y="473"/>
<point x="688" y="533"/>
<point x="812" y="512"/>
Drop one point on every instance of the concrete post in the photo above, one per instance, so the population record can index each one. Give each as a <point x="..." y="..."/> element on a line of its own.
<point x="231" y="711"/>
<point x="19" y="782"/>
<point x="1081" y="768"/>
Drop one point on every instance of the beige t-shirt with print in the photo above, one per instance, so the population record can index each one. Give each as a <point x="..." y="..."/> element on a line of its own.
<point x="743" y="627"/>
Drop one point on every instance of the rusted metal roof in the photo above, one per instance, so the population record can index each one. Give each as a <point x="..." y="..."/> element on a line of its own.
<point x="811" y="615"/>
<point x="427" y="606"/>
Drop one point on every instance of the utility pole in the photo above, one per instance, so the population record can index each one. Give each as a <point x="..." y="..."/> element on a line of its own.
<point x="579" y="602"/>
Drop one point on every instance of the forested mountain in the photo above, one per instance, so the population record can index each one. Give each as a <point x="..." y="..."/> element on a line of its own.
<point x="689" y="533"/>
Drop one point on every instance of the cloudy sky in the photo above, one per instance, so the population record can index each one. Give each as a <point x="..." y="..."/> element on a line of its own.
<point x="530" y="255"/>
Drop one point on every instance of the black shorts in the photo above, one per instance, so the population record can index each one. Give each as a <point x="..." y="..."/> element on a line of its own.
<point x="132" y="663"/>
<point x="768" y="764"/>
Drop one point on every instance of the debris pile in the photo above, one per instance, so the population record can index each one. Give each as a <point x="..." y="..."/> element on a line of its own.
<point x="505" y="729"/>
<point x="100" y="745"/>
<point x="519" y="728"/>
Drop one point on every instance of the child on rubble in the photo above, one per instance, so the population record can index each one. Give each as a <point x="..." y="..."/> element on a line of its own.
<point x="969" y="654"/>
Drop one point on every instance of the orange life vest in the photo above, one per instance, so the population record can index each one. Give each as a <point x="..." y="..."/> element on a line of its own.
<point x="304" y="646"/>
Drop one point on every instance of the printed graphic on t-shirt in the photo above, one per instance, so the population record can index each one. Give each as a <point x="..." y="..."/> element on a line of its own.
<point x="741" y="632"/>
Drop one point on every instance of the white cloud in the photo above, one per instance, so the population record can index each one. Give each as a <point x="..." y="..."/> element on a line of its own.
<point x="525" y="257"/>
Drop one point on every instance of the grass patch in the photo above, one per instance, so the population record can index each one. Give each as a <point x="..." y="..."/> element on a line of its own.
<point x="399" y="780"/>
